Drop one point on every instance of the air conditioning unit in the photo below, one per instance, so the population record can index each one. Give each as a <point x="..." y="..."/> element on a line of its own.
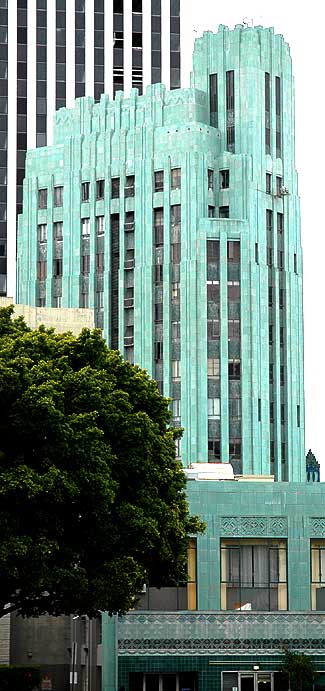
<point x="284" y="191"/>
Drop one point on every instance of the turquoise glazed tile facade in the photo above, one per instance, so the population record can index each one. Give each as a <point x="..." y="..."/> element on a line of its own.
<point x="209" y="641"/>
<point x="197" y="278"/>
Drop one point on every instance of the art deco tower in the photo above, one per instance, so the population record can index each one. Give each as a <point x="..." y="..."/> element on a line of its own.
<point x="176" y="216"/>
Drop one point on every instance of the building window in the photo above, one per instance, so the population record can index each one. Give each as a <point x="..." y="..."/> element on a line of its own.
<point x="85" y="187"/>
<point x="267" y="114"/>
<point x="214" y="451"/>
<point x="210" y="180"/>
<point x="295" y="268"/>
<point x="85" y="264"/>
<point x="42" y="232"/>
<point x="224" y="179"/>
<point x="57" y="268"/>
<point x="223" y="211"/>
<point x="298" y="415"/>
<point x="84" y="300"/>
<point x="233" y="291"/>
<point x="176" y="331"/>
<point x="41" y="270"/>
<point x="158" y="316"/>
<point x="213" y="291"/>
<point x="100" y="225"/>
<point x="268" y="186"/>
<point x="176" y="293"/>
<point x="279" y="184"/>
<point x="176" y="408"/>
<point x="175" y="253"/>
<point x="129" y="222"/>
<point x="100" y="263"/>
<point x="213" y="368"/>
<point x="318" y="575"/>
<point x="213" y="92"/>
<point x="213" y="329"/>
<point x="269" y="220"/>
<point x="58" y="196"/>
<point x="233" y="330"/>
<point x="253" y="575"/>
<point x="233" y="252"/>
<point x="175" y="178"/>
<point x="230" y="110"/>
<point x="42" y="199"/>
<point x="212" y="251"/>
<point x="214" y="408"/>
<point x="211" y="212"/>
<point x="158" y="350"/>
<point x="256" y="252"/>
<point x="176" y="370"/>
<point x="159" y="181"/>
<point x="100" y="189"/>
<point x="278" y="116"/>
<point x="234" y="369"/>
<point x="58" y="231"/>
<point x="85" y="227"/>
<point x="115" y="189"/>
<point x="280" y="225"/>
<point x="129" y="186"/>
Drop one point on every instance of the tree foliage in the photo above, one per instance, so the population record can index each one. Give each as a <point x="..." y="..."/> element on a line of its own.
<point x="298" y="671"/>
<point x="13" y="678"/>
<point x="92" y="499"/>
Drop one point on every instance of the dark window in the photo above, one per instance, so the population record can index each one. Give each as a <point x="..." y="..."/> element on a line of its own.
<point x="234" y="369"/>
<point x="223" y="211"/>
<point x="57" y="268"/>
<point x="214" y="450"/>
<point x="256" y="252"/>
<point x="280" y="225"/>
<point x="211" y="211"/>
<point x="230" y="110"/>
<point x="210" y="179"/>
<point x="158" y="312"/>
<point x="85" y="187"/>
<point x="212" y="251"/>
<point x="213" y="329"/>
<point x="270" y="334"/>
<point x="267" y="114"/>
<point x="42" y="199"/>
<point x="278" y="115"/>
<point x="115" y="188"/>
<point x="279" y="184"/>
<point x="85" y="264"/>
<point x="100" y="263"/>
<point x="58" y="196"/>
<point x="100" y="188"/>
<point x="295" y="267"/>
<point x="233" y="252"/>
<point x="259" y="410"/>
<point x="213" y="90"/>
<point x="269" y="221"/>
<point x="159" y="181"/>
<point x="268" y="183"/>
<point x="175" y="178"/>
<point x="224" y="179"/>
<point x="41" y="270"/>
<point x="129" y="186"/>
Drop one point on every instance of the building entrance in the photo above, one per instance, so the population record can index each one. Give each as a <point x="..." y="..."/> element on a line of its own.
<point x="248" y="681"/>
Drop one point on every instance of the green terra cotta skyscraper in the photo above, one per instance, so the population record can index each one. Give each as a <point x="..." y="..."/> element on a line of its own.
<point x="175" y="215"/>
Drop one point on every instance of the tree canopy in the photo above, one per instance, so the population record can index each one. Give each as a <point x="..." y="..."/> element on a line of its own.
<point x="298" y="671"/>
<point x="92" y="498"/>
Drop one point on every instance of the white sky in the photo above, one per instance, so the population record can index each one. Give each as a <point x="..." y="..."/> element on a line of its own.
<point x="303" y="28"/>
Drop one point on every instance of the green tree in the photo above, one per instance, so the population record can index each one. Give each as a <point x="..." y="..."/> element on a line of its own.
<point x="298" y="671"/>
<point x="92" y="499"/>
